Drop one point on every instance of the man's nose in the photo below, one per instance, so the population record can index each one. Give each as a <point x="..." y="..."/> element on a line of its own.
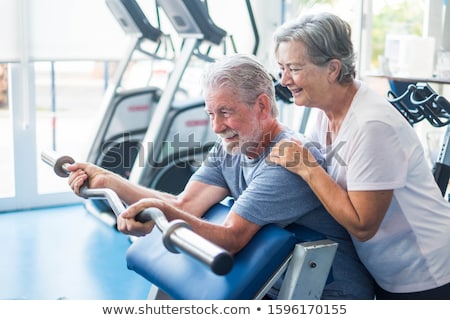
<point x="217" y="124"/>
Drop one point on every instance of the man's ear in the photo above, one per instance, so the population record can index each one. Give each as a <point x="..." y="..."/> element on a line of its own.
<point x="263" y="103"/>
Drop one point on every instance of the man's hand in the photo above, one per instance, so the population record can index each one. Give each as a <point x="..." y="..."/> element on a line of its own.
<point x="86" y="174"/>
<point x="126" y="222"/>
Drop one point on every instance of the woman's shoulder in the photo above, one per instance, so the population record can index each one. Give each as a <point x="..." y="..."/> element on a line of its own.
<point x="371" y="106"/>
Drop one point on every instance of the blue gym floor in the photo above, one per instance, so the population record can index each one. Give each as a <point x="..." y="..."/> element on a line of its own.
<point x="64" y="253"/>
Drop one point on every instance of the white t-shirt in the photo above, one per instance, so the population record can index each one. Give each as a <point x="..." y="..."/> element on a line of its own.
<point x="376" y="149"/>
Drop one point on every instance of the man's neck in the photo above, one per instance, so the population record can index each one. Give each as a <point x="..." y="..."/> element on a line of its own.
<point x="270" y="132"/>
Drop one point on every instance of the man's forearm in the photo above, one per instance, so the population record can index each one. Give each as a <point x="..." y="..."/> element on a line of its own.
<point x="130" y="193"/>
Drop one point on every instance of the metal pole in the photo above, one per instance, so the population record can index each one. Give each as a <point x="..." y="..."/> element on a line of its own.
<point x="53" y="105"/>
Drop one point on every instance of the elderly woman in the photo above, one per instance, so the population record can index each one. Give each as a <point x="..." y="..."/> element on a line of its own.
<point x="377" y="182"/>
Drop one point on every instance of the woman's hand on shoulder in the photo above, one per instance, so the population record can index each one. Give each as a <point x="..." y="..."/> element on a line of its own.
<point x="294" y="156"/>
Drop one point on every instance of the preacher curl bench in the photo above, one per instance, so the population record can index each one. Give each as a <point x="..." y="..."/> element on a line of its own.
<point x="301" y="256"/>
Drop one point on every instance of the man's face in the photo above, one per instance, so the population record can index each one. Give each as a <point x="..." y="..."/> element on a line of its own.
<point x="236" y="123"/>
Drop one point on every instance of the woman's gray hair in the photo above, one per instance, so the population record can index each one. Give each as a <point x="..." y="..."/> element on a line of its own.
<point x="243" y="74"/>
<point x="325" y="36"/>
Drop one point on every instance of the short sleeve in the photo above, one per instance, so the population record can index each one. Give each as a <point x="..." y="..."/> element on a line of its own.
<point x="275" y="195"/>
<point x="378" y="159"/>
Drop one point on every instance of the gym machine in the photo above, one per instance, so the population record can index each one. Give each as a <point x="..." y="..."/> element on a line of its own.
<point x="124" y="114"/>
<point x="145" y="135"/>
<point x="420" y="102"/>
<point x="192" y="23"/>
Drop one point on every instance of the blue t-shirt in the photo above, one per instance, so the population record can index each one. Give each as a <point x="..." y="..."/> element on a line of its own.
<point x="266" y="193"/>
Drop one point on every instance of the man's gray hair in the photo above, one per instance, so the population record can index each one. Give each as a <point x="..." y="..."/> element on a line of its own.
<point x="243" y="74"/>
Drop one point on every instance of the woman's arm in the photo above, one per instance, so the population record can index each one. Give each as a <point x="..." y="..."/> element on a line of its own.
<point x="360" y="212"/>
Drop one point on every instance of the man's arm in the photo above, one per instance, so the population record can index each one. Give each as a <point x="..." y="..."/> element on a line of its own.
<point x="197" y="197"/>
<point x="190" y="206"/>
<point x="232" y="235"/>
<point x="92" y="176"/>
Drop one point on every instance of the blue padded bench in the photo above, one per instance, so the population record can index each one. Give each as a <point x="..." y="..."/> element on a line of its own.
<point x="182" y="277"/>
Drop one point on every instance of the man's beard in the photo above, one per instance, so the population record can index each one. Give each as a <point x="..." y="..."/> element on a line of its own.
<point x="232" y="148"/>
<point x="246" y="146"/>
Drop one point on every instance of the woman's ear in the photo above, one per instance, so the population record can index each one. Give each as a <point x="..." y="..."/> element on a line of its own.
<point x="334" y="67"/>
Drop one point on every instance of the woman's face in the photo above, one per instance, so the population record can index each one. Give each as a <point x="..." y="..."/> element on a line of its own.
<point x="307" y="81"/>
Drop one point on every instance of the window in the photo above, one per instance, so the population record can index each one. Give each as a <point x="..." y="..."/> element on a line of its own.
<point x="6" y="137"/>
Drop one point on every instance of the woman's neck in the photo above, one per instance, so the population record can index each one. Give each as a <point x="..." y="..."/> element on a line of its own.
<point x="338" y="108"/>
